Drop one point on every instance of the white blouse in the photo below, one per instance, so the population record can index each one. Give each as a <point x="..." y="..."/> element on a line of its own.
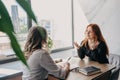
<point x="41" y="64"/>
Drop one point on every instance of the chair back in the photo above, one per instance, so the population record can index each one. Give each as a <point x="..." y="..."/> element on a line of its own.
<point x="114" y="59"/>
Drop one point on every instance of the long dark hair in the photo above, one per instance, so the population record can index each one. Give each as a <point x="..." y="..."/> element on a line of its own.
<point x="35" y="37"/>
<point x="98" y="34"/>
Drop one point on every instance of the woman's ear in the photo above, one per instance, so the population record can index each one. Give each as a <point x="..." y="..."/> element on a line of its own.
<point x="44" y="44"/>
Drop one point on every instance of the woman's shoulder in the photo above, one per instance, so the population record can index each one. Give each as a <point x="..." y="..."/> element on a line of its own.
<point x="102" y="44"/>
<point x="41" y="52"/>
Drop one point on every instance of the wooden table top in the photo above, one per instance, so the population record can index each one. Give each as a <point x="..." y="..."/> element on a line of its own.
<point x="76" y="62"/>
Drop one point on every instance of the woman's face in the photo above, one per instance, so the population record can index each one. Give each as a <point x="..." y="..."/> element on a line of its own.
<point x="89" y="33"/>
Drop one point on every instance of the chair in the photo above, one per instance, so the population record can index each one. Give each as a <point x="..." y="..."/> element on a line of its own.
<point x="114" y="59"/>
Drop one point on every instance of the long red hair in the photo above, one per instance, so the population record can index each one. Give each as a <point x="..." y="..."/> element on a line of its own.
<point x="98" y="34"/>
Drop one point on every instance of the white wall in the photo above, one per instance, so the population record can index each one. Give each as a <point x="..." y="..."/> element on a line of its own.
<point x="80" y="22"/>
<point x="105" y="13"/>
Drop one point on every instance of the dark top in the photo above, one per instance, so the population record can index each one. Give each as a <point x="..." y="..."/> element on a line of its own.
<point x="98" y="54"/>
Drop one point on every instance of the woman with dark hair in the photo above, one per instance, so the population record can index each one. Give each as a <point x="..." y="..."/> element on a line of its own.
<point x="94" y="45"/>
<point x="39" y="61"/>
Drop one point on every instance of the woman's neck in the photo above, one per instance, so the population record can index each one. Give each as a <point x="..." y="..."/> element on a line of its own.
<point x="92" y="43"/>
<point x="92" y="40"/>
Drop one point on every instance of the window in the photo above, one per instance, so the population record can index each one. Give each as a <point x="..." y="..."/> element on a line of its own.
<point x="56" y="17"/>
<point x="19" y="20"/>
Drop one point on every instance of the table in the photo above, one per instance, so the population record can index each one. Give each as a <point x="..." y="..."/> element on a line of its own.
<point x="76" y="62"/>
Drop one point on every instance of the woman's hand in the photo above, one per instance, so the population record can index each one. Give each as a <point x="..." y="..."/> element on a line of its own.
<point x="67" y="67"/>
<point x="57" y="60"/>
<point x="76" y="45"/>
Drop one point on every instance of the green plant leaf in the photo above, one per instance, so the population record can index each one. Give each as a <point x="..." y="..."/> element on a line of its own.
<point x="50" y="42"/>
<point x="6" y="26"/>
<point x="17" y="48"/>
<point x="26" y="6"/>
<point x="5" y="18"/>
